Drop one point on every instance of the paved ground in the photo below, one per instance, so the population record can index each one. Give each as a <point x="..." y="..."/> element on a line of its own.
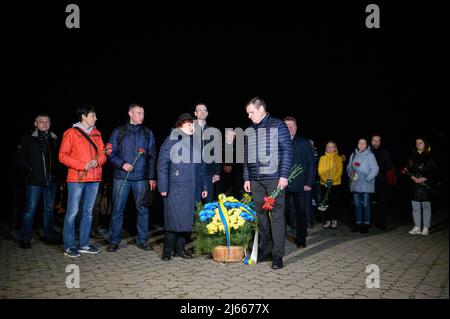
<point x="332" y="266"/>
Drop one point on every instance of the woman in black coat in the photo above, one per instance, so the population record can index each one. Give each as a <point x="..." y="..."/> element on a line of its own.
<point x="422" y="171"/>
<point x="178" y="175"/>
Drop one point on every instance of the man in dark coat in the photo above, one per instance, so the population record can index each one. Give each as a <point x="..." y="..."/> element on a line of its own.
<point x="381" y="181"/>
<point x="267" y="164"/>
<point x="203" y="134"/>
<point x="178" y="174"/>
<point x="131" y="174"/>
<point x="37" y="157"/>
<point x="231" y="175"/>
<point x="298" y="189"/>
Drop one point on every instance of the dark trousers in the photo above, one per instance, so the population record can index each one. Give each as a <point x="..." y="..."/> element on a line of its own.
<point x="174" y="242"/>
<point x="380" y="210"/>
<point x="334" y="202"/>
<point x="298" y="202"/>
<point x="272" y="230"/>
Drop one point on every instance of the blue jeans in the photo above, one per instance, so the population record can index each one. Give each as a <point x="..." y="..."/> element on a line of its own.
<point x="362" y="208"/>
<point x="119" y="204"/>
<point x="32" y="201"/>
<point x="86" y="193"/>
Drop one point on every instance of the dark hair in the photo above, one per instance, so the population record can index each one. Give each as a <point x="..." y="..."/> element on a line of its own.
<point x="331" y="142"/>
<point x="84" y="110"/>
<point x="133" y="105"/>
<point x="257" y="102"/>
<point x="290" y="118"/>
<point x="426" y="149"/>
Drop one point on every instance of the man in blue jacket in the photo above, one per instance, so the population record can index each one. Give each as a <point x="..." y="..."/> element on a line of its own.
<point x="132" y="172"/>
<point x="267" y="163"/>
<point x="298" y="189"/>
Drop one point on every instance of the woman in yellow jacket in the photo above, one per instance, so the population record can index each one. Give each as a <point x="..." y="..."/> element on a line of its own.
<point x="330" y="170"/>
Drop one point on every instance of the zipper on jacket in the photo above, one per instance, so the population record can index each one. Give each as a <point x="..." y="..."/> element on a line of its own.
<point x="45" y="169"/>
<point x="50" y="162"/>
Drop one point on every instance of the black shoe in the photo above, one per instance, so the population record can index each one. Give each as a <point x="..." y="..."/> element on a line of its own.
<point x="364" y="229"/>
<point x="183" y="254"/>
<point x="25" y="244"/>
<point x="144" y="246"/>
<point x="112" y="248"/>
<point x="381" y="226"/>
<point x="356" y="228"/>
<point x="51" y="241"/>
<point x="301" y="245"/>
<point x="277" y="263"/>
<point x="166" y="257"/>
<point x="96" y="234"/>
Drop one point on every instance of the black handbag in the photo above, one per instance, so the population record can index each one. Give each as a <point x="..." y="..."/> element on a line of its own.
<point x="147" y="197"/>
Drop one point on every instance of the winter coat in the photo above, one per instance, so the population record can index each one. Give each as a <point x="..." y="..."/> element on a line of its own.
<point x="76" y="151"/>
<point x="279" y="153"/>
<point x="39" y="170"/>
<point x="384" y="163"/>
<point x="366" y="172"/>
<point x="125" y="141"/>
<point x="303" y="154"/>
<point x="204" y="139"/>
<point x="331" y="167"/>
<point x="423" y="165"/>
<point x="179" y="180"/>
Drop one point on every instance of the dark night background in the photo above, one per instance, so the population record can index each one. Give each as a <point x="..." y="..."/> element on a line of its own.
<point x="318" y="63"/>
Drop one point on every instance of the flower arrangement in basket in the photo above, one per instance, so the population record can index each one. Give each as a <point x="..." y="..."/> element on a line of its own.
<point x="225" y="228"/>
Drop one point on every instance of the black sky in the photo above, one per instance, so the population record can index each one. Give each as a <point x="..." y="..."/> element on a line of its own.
<point x="317" y="62"/>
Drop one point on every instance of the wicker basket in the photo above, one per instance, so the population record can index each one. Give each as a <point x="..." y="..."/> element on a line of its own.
<point x="220" y="253"/>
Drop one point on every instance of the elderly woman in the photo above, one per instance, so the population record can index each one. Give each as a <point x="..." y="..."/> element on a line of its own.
<point x="362" y="169"/>
<point x="178" y="176"/>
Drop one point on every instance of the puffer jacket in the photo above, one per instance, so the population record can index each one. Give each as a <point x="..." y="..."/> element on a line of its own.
<point x="366" y="172"/>
<point x="133" y="137"/>
<point x="423" y="165"/>
<point x="279" y="153"/>
<point x="76" y="151"/>
<point x="330" y="167"/>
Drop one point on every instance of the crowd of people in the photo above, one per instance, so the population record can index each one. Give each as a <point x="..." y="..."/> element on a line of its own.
<point x="140" y="168"/>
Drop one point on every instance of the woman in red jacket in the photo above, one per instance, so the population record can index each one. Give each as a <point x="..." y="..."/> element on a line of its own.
<point x="83" y="152"/>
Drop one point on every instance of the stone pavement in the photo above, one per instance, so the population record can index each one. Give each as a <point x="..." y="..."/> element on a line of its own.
<point x="332" y="266"/>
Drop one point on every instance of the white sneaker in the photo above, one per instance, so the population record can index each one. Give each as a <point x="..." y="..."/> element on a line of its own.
<point x="425" y="231"/>
<point x="327" y="224"/>
<point x="415" y="231"/>
<point x="334" y="224"/>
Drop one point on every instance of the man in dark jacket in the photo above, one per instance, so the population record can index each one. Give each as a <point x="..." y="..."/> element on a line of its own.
<point x="267" y="163"/>
<point x="298" y="189"/>
<point x="132" y="171"/>
<point x="203" y="134"/>
<point x="37" y="156"/>
<point x="381" y="182"/>
<point x="231" y="174"/>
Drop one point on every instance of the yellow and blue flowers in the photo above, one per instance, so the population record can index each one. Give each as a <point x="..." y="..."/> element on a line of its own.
<point x="225" y="222"/>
